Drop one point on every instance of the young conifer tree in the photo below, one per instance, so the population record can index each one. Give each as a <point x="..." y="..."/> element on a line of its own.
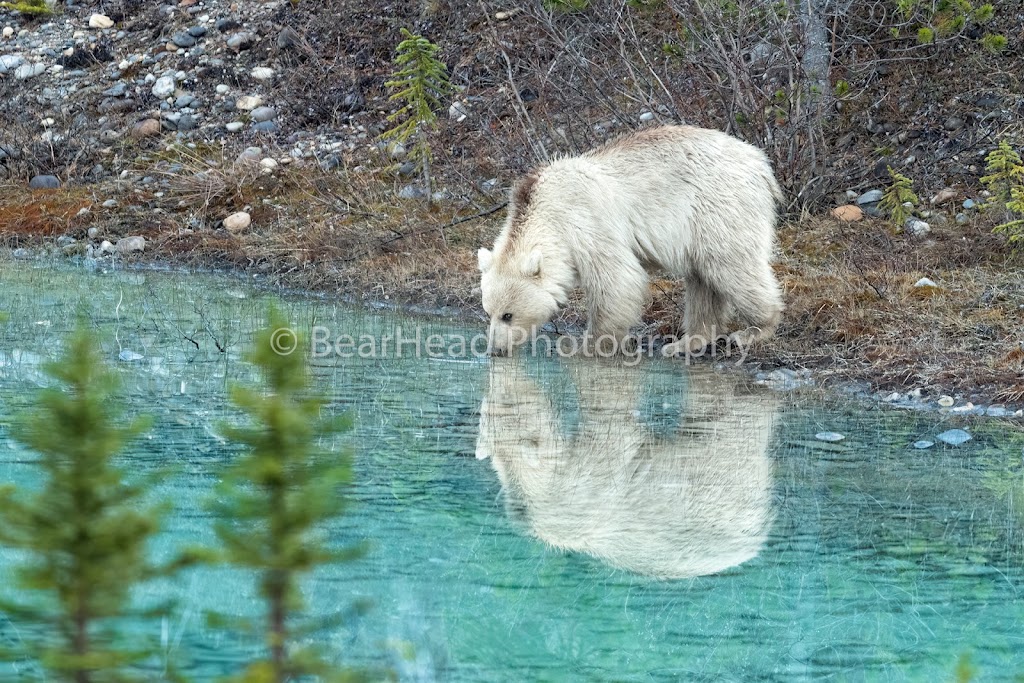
<point x="84" y="530"/>
<point x="275" y="498"/>
<point x="420" y="83"/>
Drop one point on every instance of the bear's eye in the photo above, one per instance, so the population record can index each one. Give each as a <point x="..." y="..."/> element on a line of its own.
<point x="507" y="318"/>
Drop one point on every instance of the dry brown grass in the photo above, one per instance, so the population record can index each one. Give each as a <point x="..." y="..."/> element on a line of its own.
<point x="27" y="214"/>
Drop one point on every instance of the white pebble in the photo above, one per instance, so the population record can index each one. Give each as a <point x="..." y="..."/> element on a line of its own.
<point x="100" y="21"/>
<point x="831" y="437"/>
<point x="262" y="73"/>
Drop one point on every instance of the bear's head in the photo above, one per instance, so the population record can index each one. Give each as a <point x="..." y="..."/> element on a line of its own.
<point x="515" y="297"/>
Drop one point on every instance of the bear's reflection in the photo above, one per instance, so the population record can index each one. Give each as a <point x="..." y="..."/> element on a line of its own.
<point x="694" y="501"/>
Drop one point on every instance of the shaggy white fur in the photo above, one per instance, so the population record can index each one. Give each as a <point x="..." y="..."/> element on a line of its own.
<point x="697" y="203"/>
<point x="693" y="501"/>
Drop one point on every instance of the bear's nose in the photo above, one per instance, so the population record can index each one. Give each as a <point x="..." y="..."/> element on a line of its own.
<point x="498" y="352"/>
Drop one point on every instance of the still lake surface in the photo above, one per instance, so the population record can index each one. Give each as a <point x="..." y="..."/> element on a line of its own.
<point x="557" y="519"/>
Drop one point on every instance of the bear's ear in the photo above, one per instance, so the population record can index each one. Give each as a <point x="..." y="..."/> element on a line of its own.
<point x="532" y="264"/>
<point x="484" y="258"/>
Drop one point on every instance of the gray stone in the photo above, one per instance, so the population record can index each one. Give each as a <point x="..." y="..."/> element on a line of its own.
<point x="44" y="182"/>
<point x="411" y="192"/>
<point x="117" y="90"/>
<point x="397" y="151"/>
<point x="26" y="71"/>
<point x="287" y="38"/>
<point x="953" y="123"/>
<point x="183" y="40"/>
<point x="260" y="114"/>
<point x="961" y="218"/>
<point x="646" y="117"/>
<point x="65" y="240"/>
<point x="183" y="101"/>
<point x="240" y="41"/>
<point x="250" y="156"/>
<point x="21" y="253"/>
<point x="330" y="162"/>
<point x="164" y="87"/>
<point x="93" y="233"/>
<point x="969" y="204"/>
<point x="870" y="197"/>
<point x="197" y="31"/>
<point x="265" y="127"/>
<point x="10" y="62"/>
<point x="954" y="437"/>
<point x="407" y="169"/>
<point x="129" y="356"/>
<point x="923" y="444"/>
<point x="234" y="126"/>
<point x="226" y="24"/>
<point x="925" y="282"/>
<point x="831" y="437"/>
<point x="917" y="228"/>
<point x="186" y="122"/>
<point x="126" y="245"/>
<point x="996" y="411"/>
<point x="109" y="204"/>
<point x="458" y="111"/>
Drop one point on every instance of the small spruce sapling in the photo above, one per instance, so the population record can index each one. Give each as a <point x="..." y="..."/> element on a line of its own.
<point x="895" y="196"/>
<point x="419" y="84"/>
<point x="275" y="499"/>
<point x="84" y="531"/>
<point x="1005" y="180"/>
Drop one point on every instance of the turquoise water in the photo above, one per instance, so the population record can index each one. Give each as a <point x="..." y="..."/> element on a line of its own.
<point x="561" y="519"/>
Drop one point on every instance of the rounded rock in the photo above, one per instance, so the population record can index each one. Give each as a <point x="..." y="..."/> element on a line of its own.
<point x="146" y="128"/>
<point x="237" y="222"/>
<point x="27" y="71"/>
<point x="126" y="245"/>
<point x="240" y="41"/>
<point x="164" y="87"/>
<point x="262" y="73"/>
<point x="260" y="114"/>
<point x="870" y="197"/>
<point x="954" y="437"/>
<point x="100" y="21"/>
<point x="248" y="102"/>
<point x="830" y="437"/>
<point x="44" y="182"/>
<point x="183" y="40"/>
<point x="848" y="213"/>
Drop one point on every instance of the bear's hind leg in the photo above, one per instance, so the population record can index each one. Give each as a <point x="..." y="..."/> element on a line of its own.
<point x="757" y="307"/>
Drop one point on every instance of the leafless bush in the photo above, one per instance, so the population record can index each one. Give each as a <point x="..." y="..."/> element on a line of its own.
<point x="784" y="76"/>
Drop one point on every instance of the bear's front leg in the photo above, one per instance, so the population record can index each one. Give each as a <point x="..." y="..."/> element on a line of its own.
<point x="609" y="318"/>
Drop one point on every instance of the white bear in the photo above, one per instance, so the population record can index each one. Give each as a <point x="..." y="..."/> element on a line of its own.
<point x="691" y="500"/>
<point x="697" y="203"/>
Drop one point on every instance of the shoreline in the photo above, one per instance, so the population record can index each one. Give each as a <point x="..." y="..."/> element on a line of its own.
<point x="780" y="379"/>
